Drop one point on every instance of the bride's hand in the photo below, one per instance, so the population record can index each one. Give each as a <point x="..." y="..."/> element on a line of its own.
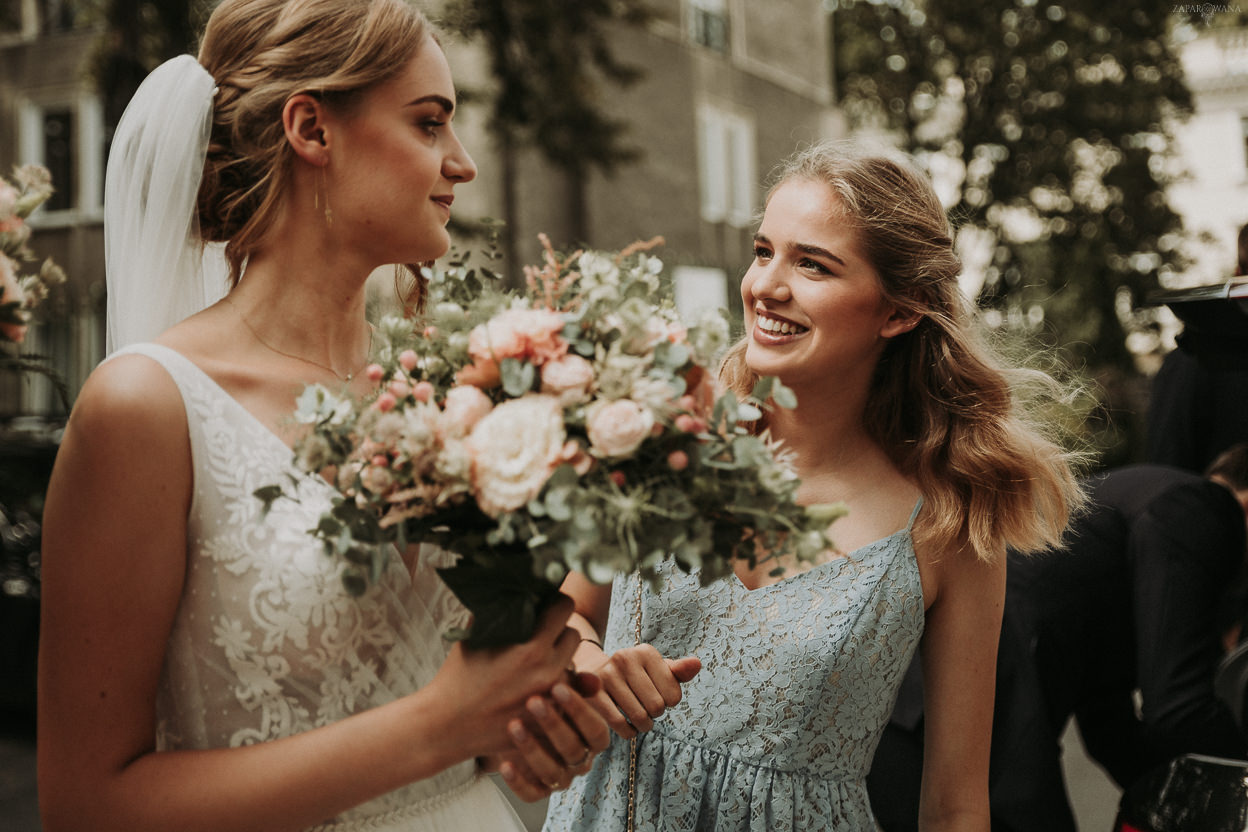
<point x="557" y="741"/>
<point x="486" y="689"/>
<point x="638" y="684"/>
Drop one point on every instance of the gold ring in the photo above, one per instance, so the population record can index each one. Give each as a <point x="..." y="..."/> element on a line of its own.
<point x="554" y="787"/>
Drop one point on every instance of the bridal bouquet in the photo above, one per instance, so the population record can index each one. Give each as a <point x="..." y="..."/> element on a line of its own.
<point x="574" y="425"/>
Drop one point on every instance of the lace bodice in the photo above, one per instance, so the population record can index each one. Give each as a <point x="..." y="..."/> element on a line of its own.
<point x="778" y="730"/>
<point x="266" y="642"/>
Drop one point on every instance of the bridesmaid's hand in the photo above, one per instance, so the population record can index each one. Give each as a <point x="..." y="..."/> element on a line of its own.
<point x="638" y="685"/>
<point x="563" y="734"/>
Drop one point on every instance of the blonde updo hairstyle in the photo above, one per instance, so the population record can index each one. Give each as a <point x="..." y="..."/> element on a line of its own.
<point x="262" y="52"/>
<point x="950" y="414"/>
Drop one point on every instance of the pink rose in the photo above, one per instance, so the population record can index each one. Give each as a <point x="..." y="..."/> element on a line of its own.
<point x="10" y="291"/>
<point x="519" y="333"/>
<point x="375" y="372"/>
<point x="514" y="450"/>
<point x="617" y="428"/>
<point x="568" y="377"/>
<point x="385" y="402"/>
<point x="464" y="407"/>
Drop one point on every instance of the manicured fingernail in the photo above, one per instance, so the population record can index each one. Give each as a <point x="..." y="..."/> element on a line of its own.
<point x="517" y="731"/>
<point x="562" y="693"/>
<point x="538" y="707"/>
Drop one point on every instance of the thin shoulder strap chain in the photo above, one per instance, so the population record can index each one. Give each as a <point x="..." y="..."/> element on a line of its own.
<point x="631" y="821"/>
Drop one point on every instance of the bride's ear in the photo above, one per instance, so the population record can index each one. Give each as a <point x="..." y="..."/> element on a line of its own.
<point x="307" y="129"/>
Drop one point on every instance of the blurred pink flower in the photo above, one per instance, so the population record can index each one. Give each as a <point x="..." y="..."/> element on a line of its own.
<point x="531" y="334"/>
<point x="10" y="291"/>
<point x="568" y="377"/>
<point x="617" y="428"/>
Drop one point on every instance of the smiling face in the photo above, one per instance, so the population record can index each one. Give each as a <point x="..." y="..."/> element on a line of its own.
<point x="815" y="312"/>
<point x="395" y="161"/>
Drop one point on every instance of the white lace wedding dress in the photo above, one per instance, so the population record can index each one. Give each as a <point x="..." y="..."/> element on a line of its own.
<point x="267" y="643"/>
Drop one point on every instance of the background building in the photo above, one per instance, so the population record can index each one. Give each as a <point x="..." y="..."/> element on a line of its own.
<point x="1213" y="143"/>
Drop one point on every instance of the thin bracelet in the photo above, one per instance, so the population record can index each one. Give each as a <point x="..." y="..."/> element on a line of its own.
<point x="592" y="641"/>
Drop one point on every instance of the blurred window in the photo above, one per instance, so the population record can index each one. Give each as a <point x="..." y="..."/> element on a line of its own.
<point x="708" y="24"/>
<point x="57" y="15"/>
<point x="66" y="135"/>
<point x="726" y="167"/>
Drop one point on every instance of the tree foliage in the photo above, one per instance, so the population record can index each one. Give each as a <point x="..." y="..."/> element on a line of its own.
<point x="547" y="58"/>
<point x="1055" y="116"/>
<point x="136" y="37"/>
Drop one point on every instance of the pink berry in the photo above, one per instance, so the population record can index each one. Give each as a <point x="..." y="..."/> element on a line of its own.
<point x="375" y="372"/>
<point x="678" y="460"/>
<point x="618" y="478"/>
<point x="423" y="391"/>
<point x="385" y="402"/>
<point x="408" y="359"/>
<point x="686" y="423"/>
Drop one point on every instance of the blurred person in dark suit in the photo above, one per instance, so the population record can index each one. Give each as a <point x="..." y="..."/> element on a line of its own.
<point x="1199" y="398"/>
<point x="1122" y="629"/>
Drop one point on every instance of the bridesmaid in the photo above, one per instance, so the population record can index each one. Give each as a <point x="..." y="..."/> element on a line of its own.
<point x="903" y="414"/>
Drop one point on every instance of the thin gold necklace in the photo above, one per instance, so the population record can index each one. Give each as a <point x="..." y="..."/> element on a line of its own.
<point x="345" y="379"/>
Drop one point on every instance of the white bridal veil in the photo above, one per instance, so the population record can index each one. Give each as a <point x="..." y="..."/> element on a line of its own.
<point x="158" y="270"/>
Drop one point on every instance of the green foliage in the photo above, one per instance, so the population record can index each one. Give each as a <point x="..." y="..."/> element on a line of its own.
<point x="1056" y="112"/>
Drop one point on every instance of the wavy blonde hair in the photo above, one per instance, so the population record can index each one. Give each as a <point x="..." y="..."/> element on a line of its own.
<point x="262" y="52"/>
<point x="946" y="409"/>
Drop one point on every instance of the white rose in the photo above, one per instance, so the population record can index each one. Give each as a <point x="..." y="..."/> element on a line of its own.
<point x="417" y="434"/>
<point x="568" y="377"/>
<point x="454" y="462"/>
<point x="514" y="449"/>
<point x="617" y="428"/>
<point x="465" y="405"/>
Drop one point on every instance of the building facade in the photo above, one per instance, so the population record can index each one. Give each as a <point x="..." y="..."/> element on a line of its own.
<point x="1213" y="196"/>
<point x="50" y="114"/>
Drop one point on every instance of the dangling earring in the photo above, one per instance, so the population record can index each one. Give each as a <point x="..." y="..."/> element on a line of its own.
<point x="329" y="214"/>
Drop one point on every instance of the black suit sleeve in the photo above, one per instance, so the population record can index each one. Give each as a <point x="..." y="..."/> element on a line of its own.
<point x="1185" y="548"/>
<point x="1177" y="413"/>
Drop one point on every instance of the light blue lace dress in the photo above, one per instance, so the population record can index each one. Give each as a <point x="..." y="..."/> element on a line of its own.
<point x="778" y="730"/>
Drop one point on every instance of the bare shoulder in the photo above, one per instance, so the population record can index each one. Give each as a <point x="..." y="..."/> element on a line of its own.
<point x="129" y="394"/>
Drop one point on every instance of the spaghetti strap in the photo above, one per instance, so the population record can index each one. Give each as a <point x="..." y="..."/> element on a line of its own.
<point x="914" y="514"/>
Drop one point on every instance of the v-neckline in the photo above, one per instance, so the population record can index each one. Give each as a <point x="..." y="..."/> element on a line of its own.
<point x="256" y="420"/>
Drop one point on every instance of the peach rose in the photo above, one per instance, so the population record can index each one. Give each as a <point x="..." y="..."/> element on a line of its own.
<point x="514" y="450"/>
<point x="10" y="291"/>
<point x="464" y="407"/>
<point x="617" y="428"/>
<point x="482" y="373"/>
<point x="568" y="377"/>
<point x="519" y="333"/>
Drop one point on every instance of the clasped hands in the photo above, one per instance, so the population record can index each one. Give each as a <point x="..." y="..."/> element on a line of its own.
<point x="563" y="732"/>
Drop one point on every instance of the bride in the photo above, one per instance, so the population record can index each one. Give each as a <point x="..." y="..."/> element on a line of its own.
<point x="201" y="666"/>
